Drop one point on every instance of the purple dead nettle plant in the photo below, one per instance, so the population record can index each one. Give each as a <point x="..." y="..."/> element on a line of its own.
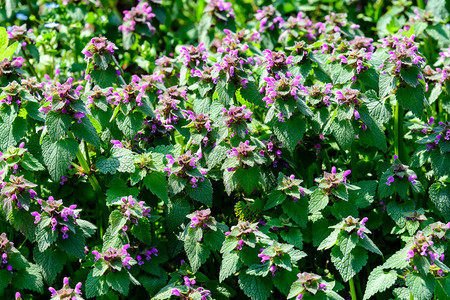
<point x="140" y="15"/>
<point x="185" y="167"/>
<point x="115" y="258"/>
<point x="66" y="292"/>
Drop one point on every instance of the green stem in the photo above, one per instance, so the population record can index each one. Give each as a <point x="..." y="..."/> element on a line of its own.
<point x="354" y="160"/>
<point x="411" y="297"/>
<point x="30" y="66"/>
<point x="398" y="132"/>
<point x="120" y="69"/>
<point x="352" y="289"/>
<point x="421" y="4"/>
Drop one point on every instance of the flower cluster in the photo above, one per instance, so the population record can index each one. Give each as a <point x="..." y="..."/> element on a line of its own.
<point x="291" y="187"/>
<point x="18" y="191"/>
<point x="402" y="53"/>
<point x="238" y="41"/>
<point x="242" y="151"/>
<point x="220" y="9"/>
<point x="147" y="254"/>
<point x="423" y="247"/>
<point x="194" y="56"/>
<point x="281" y="87"/>
<point x="274" y="61"/>
<point x="11" y="67"/>
<point x="11" y="94"/>
<point x="130" y="95"/>
<point x="198" y="121"/>
<point x="319" y="94"/>
<point x="133" y="210"/>
<point x="333" y="180"/>
<point x="141" y="14"/>
<point x="308" y="282"/>
<point x="113" y="257"/>
<point x="99" y="51"/>
<point x="401" y="171"/>
<point x="188" y="291"/>
<point x="269" y="18"/>
<point x="21" y="34"/>
<point x="229" y="65"/>
<point x="236" y="118"/>
<point x="185" y="166"/>
<point x="167" y="109"/>
<point x="201" y="218"/>
<point x="59" y="97"/>
<point x="273" y="148"/>
<point x="66" y="292"/>
<point x="350" y="224"/>
<point x="59" y="215"/>
<point x="6" y="247"/>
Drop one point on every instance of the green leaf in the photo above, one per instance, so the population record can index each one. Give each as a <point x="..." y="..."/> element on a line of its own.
<point x="58" y="156"/>
<point x="142" y="231"/>
<point x="86" y="131"/>
<point x="257" y="288"/>
<point x="196" y="251"/>
<point x="45" y="237"/>
<point x="230" y="265"/>
<point x="387" y="84"/>
<point x="203" y="193"/>
<point x="251" y="94"/>
<point x="125" y="158"/>
<point x="374" y="134"/>
<point x="379" y="281"/>
<point x="51" y="262"/>
<point x="410" y="76"/>
<point x="217" y="155"/>
<point x="248" y="178"/>
<point x="340" y="192"/>
<point x="347" y="243"/>
<point x="283" y="280"/>
<point x="130" y="124"/>
<point x="57" y="125"/>
<point x="293" y="236"/>
<point x="440" y="196"/>
<point x="290" y="132"/>
<point x="412" y="98"/>
<point x="157" y="183"/>
<point x="343" y="132"/>
<point x="442" y="290"/>
<point x="73" y="245"/>
<point x="319" y="200"/>
<point x="330" y="240"/>
<point x="440" y="163"/>
<point x="297" y="211"/>
<point x="8" y="52"/>
<point x="104" y="79"/>
<point x="274" y="198"/>
<point x="341" y="74"/>
<point x="30" y="279"/>
<point x="398" y="260"/>
<point x="367" y="243"/>
<point x="438" y="8"/>
<point x="95" y="286"/>
<point x="107" y="165"/>
<point x="259" y="269"/>
<point x="11" y="131"/>
<point x="349" y="265"/>
<point x="118" y="190"/>
<point x="422" y="287"/>
<point x="176" y="213"/>
<point x="5" y="279"/>
<point x="225" y="91"/>
<point x="30" y="163"/>
<point x="119" y="281"/>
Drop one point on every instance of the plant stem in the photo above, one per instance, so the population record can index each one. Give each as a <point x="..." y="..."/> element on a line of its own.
<point x="354" y="159"/>
<point x="352" y="289"/>
<point x="120" y="69"/>
<point x="421" y="4"/>
<point x="398" y="132"/>
<point x="411" y="297"/>
<point x="30" y="66"/>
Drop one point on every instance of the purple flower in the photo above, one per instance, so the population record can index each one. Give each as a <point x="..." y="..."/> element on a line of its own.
<point x="390" y="180"/>
<point x="176" y="292"/>
<point x="412" y="178"/>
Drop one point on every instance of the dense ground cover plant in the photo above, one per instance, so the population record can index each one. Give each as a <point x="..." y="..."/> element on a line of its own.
<point x="217" y="150"/>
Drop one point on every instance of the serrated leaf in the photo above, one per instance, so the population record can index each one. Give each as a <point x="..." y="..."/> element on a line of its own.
<point x="119" y="281"/>
<point x="157" y="183"/>
<point x="107" y="165"/>
<point x="30" y="279"/>
<point x="349" y="265"/>
<point x="203" y="193"/>
<point x="5" y="279"/>
<point x="293" y="236"/>
<point x="297" y="211"/>
<point x="318" y="201"/>
<point x="73" y="245"/>
<point x="398" y="260"/>
<point x="274" y="198"/>
<point x="367" y="243"/>
<point x="440" y="196"/>
<point x="387" y="84"/>
<point x="130" y="124"/>
<point x="230" y="265"/>
<point x="248" y="178"/>
<point x="379" y="281"/>
<point x="422" y="287"/>
<point x="176" y="213"/>
<point x="216" y="156"/>
<point x="343" y="132"/>
<point x="341" y="74"/>
<point x="12" y="129"/>
<point x="58" y="156"/>
<point x="57" y="125"/>
<point x="51" y="262"/>
<point x="104" y="78"/>
<point x="95" y="286"/>
<point x="86" y="131"/>
<point x="196" y="252"/>
<point x="330" y="240"/>
<point x="412" y="98"/>
<point x="257" y="288"/>
<point x="251" y="94"/>
<point x="290" y="132"/>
